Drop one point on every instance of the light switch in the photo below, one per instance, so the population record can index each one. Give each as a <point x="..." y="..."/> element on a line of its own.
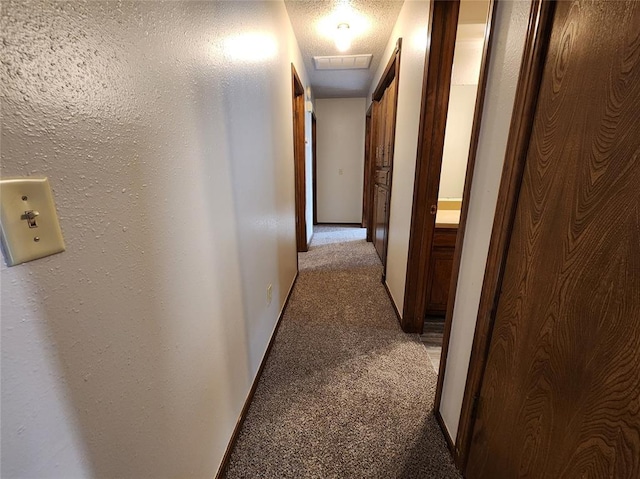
<point x="28" y="220"/>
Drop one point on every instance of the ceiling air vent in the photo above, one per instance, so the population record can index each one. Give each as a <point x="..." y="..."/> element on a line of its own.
<point x="343" y="62"/>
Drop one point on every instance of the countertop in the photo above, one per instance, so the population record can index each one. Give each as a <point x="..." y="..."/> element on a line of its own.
<point x="447" y="218"/>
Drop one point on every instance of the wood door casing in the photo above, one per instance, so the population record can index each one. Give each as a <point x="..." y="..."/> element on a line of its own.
<point x="367" y="168"/>
<point x="314" y="167"/>
<point x="561" y="389"/>
<point x="299" y="161"/>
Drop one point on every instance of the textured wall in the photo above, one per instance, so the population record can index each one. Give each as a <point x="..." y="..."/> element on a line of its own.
<point x="412" y="28"/>
<point x="168" y="144"/>
<point x="506" y="54"/>
<point x="341" y="131"/>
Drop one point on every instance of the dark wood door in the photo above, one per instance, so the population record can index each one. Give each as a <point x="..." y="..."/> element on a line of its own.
<point x="366" y="184"/>
<point x="299" y="161"/>
<point x="381" y="226"/>
<point x="385" y="134"/>
<point x="560" y="396"/>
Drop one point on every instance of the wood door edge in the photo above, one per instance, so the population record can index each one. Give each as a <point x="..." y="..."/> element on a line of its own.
<point x="299" y="161"/>
<point x="532" y="65"/>
<point x="314" y="166"/>
<point x="466" y="196"/>
<point x="433" y="114"/>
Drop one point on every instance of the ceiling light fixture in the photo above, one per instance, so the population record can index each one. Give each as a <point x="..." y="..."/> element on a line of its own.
<point x="343" y="37"/>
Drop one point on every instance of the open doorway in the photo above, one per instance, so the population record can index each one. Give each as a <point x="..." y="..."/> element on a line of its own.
<point x="455" y="79"/>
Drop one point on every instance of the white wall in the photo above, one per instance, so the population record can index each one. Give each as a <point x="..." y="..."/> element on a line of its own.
<point x="340" y="131"/>
<point x="465" y="74"/>
<point x="462" y="102"/>
<point x="169" y="149"/>
<point x="506" y="54"/>
<point x="411" y="26"/>
<point x="308" y="164"/>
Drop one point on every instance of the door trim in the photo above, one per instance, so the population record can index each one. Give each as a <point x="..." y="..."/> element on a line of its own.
<point x="531" y="69"/>
<point x="443" y="25"/>
<point x="297" y="92"/>
<point x="367" y="162"/>
<point x="314" y="168"/>
<point x="464" y="212"/>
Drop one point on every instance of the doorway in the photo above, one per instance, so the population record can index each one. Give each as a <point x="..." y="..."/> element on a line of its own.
<point x="455" y="80"/>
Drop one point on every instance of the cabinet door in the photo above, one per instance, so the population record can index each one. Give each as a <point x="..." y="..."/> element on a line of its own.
<point x="389" y="125"/>
<point x="380" y="202"/>
<point x="440" y="271"/>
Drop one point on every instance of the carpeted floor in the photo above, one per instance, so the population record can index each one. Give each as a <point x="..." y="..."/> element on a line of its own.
<point x="345" y="393"/>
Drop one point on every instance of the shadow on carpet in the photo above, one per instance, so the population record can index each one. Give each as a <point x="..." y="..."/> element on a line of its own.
<point x="344" y="393"/>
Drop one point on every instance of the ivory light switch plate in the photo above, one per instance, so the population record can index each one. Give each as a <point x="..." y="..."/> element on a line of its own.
<point x="28" y="220"/>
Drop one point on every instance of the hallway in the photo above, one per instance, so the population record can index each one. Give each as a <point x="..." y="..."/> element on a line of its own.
<point x="344" y="393"/>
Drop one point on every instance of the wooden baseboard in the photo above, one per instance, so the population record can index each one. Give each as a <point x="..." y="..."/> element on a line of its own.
<point x="447" y="436"/>
<point x="393" y="303"/>
<point x="247" y="404"/>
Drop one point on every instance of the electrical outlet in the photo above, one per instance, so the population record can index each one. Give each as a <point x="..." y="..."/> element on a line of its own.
<point x="340" y="171"/>
<point x="269" y="294"/>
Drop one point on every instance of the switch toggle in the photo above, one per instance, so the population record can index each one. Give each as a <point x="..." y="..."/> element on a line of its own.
<point x="30" y="216"/>
<point x="28" y="220"/>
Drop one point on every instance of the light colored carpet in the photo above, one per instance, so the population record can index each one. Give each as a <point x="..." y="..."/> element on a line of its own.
<point x="345" y="393"/>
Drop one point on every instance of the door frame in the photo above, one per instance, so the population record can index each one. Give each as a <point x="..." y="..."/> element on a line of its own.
<point x="441" y="34"/>
<point x="314" y="167"/>
<point x="526" y="97"/>
<point x="297" y="93"/>
<point x="367" y="162"/>
<point x="391" y="71"/>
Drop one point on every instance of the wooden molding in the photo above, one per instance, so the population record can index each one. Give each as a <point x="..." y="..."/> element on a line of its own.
<point x="466" y="196"/>
<point x="247" y="403"/>
<point x="389" y="72"/>
<point x="314" y="167"/>
<point x="535" y="50"/>
<point x="299" y="160"/>
<point x="366" y="186"/>
<point x="433" y="118"/>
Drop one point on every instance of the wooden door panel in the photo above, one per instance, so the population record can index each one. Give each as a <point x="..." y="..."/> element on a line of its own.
<point x="439" y="279"/>
<point x="390" y="114"/>
<point x="561" y="391"/>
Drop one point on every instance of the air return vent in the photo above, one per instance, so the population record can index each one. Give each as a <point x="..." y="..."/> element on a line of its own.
<point x="343" y="62"/>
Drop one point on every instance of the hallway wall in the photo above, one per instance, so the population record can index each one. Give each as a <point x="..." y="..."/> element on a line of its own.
<point x="506" y="54"/>
<point x="411" y="26"/>
<point x="340" y="130"/>
<point x="165" y="129"/>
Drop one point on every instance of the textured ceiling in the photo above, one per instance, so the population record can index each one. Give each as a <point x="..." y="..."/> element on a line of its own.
<point x="377" y="19"/>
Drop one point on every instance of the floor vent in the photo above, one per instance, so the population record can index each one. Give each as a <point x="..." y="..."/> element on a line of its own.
<point x="343" y="62"/>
